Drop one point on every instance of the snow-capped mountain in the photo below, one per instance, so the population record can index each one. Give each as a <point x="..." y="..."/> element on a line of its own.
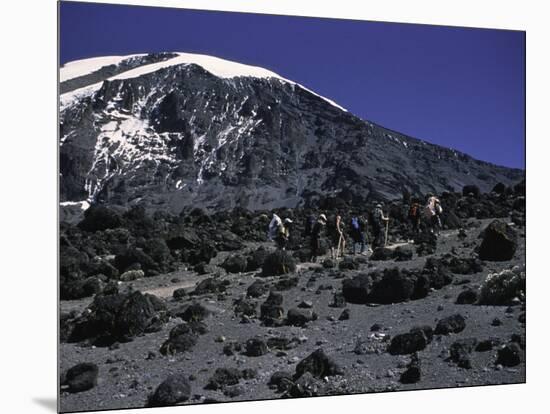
<point x="173" y="130"/>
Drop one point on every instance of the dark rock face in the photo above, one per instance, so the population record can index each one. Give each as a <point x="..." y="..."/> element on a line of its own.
<point x="243" y="307"/>
<point x="412" y="374"/>
<point x="467" y="297"/>
<point x="223" y="377"/>
<point x="300" y="317"/>
<point x="257" y="289"/>
<point x="279" y="262"/>
<point x="305" y="386"/>
<point x="234" y="264"/>
<point x="256" y="259"/>
<point x="211" y="286"/>
<point x="281" y="380"/>
<point x="319" y="365"/>
<point x="282" y="135"/>
<point x="181" y="339"/>
<point x="382" y="253"/>
<point x="357" y="289"/>
<point x="81" y="377"/>
<point x="408" y="343"/>
<point x="175" y="389"/>
<point x="460" y="352"/>
<point x="256" y="347"/>
<point x="118" y="317"/>
<point x="194" y="312"/>
<point x="451" y="324"/>
<point x="499" y="242"/>
<point x="271" y="310"/>
<point x="509" y="355"/>
<point x="394" y="286"/>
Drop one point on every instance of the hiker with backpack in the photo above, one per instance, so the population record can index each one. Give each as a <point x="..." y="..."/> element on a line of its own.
<point x="283" y="234"/>
<point x="357" y="233"/>
<point x="316" y="235"/>
<point x="378" y="224"/>
<point x="432" y="211"/>
<point x="414" y="216"/>
<point x="275" y="224"/>
<point x="336" y="235"/>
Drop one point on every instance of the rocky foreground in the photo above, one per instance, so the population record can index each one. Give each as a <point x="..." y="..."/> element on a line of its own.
<point x="162" y="310"/>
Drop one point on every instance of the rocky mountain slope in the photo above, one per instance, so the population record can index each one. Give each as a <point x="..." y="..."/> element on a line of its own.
<point x="175" y="130"/>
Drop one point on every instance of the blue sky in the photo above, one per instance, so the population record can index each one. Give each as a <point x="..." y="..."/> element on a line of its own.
<point x="457" y="87"/>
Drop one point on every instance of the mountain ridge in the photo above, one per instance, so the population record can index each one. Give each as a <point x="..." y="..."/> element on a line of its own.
<point x="181" y="136"/>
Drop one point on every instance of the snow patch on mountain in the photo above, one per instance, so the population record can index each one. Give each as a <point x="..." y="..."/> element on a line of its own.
<point x="84" y="67"/>
<point x="221" y="68"/>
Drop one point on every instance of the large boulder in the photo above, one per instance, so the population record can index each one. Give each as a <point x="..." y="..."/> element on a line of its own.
<point x="279" y="262"/>
<point x="357" y="289"/>
<point x="235" y="264"/>
<point x="319" y="365"/>
<point x="99" y="217"/>
<point x="499" y="242"/>
<point x="470" y="190"/>
<point x="451" y="324"/>
<point x="256" y="347"/>
<point x="382" y="253"/>
<point x="181" y="339"/>
<point x="509" y="355"/>
<point x="407" y="343"/>
<point x="81" y="377"/>
<point x="223" y="377"/>
<point x="210" y="286"/>
<point x="394" y="286"/>
<point x="194" y="312"/>
<point x="460" y="352"/>
<point x="119" y="318"/>
<point x="305" y="386"/>
<point x="256" y="259"/>
<point x="257" y="289"/>
<point x="173" y="390"/>
<point x="300" y="317"/>
<point x="271" y="311"/>
<point x="412" y="374"/>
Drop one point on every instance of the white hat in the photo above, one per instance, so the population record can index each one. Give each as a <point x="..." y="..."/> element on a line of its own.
<point x="287" y="220"/>
<point x="323" y="217"/>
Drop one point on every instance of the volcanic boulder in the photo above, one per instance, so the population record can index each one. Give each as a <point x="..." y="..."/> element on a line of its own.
<point x="234" y="264"/>
<point x="499" y="242"/>
<point x="412" y="374"/>
<point x="408" y="343"/>
<point x="305" y="386"/>
<point x="223" y="377"/>
<point x="460" y="352"/>
<point x="451" y="324"/>
<point x="81" y="377"/>
<point x="300" y="317"/>
<point x="173" y="390"/>
<point x="357" y="289"/>
<point x="256" y="347"/>
<point x="279" y="262"/>
<point x="319" y="365"/>
<point x="509" y="355"/>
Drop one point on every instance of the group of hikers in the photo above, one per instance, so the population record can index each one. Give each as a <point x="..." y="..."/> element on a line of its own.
<point x="317" y="228"/>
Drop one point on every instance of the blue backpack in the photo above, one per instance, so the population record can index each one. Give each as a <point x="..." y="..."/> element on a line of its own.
<point x="355" y="223"/>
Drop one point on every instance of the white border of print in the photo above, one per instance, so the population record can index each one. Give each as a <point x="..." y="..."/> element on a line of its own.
<point x="28" y="208"/>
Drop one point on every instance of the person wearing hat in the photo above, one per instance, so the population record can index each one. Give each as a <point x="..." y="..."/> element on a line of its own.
<point x="316" y="235"/>
<point x="378" y="223"/>
<point x="283" y="233"/>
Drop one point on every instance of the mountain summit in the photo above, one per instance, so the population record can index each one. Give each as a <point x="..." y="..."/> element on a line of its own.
<point x="175" y="130"/>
